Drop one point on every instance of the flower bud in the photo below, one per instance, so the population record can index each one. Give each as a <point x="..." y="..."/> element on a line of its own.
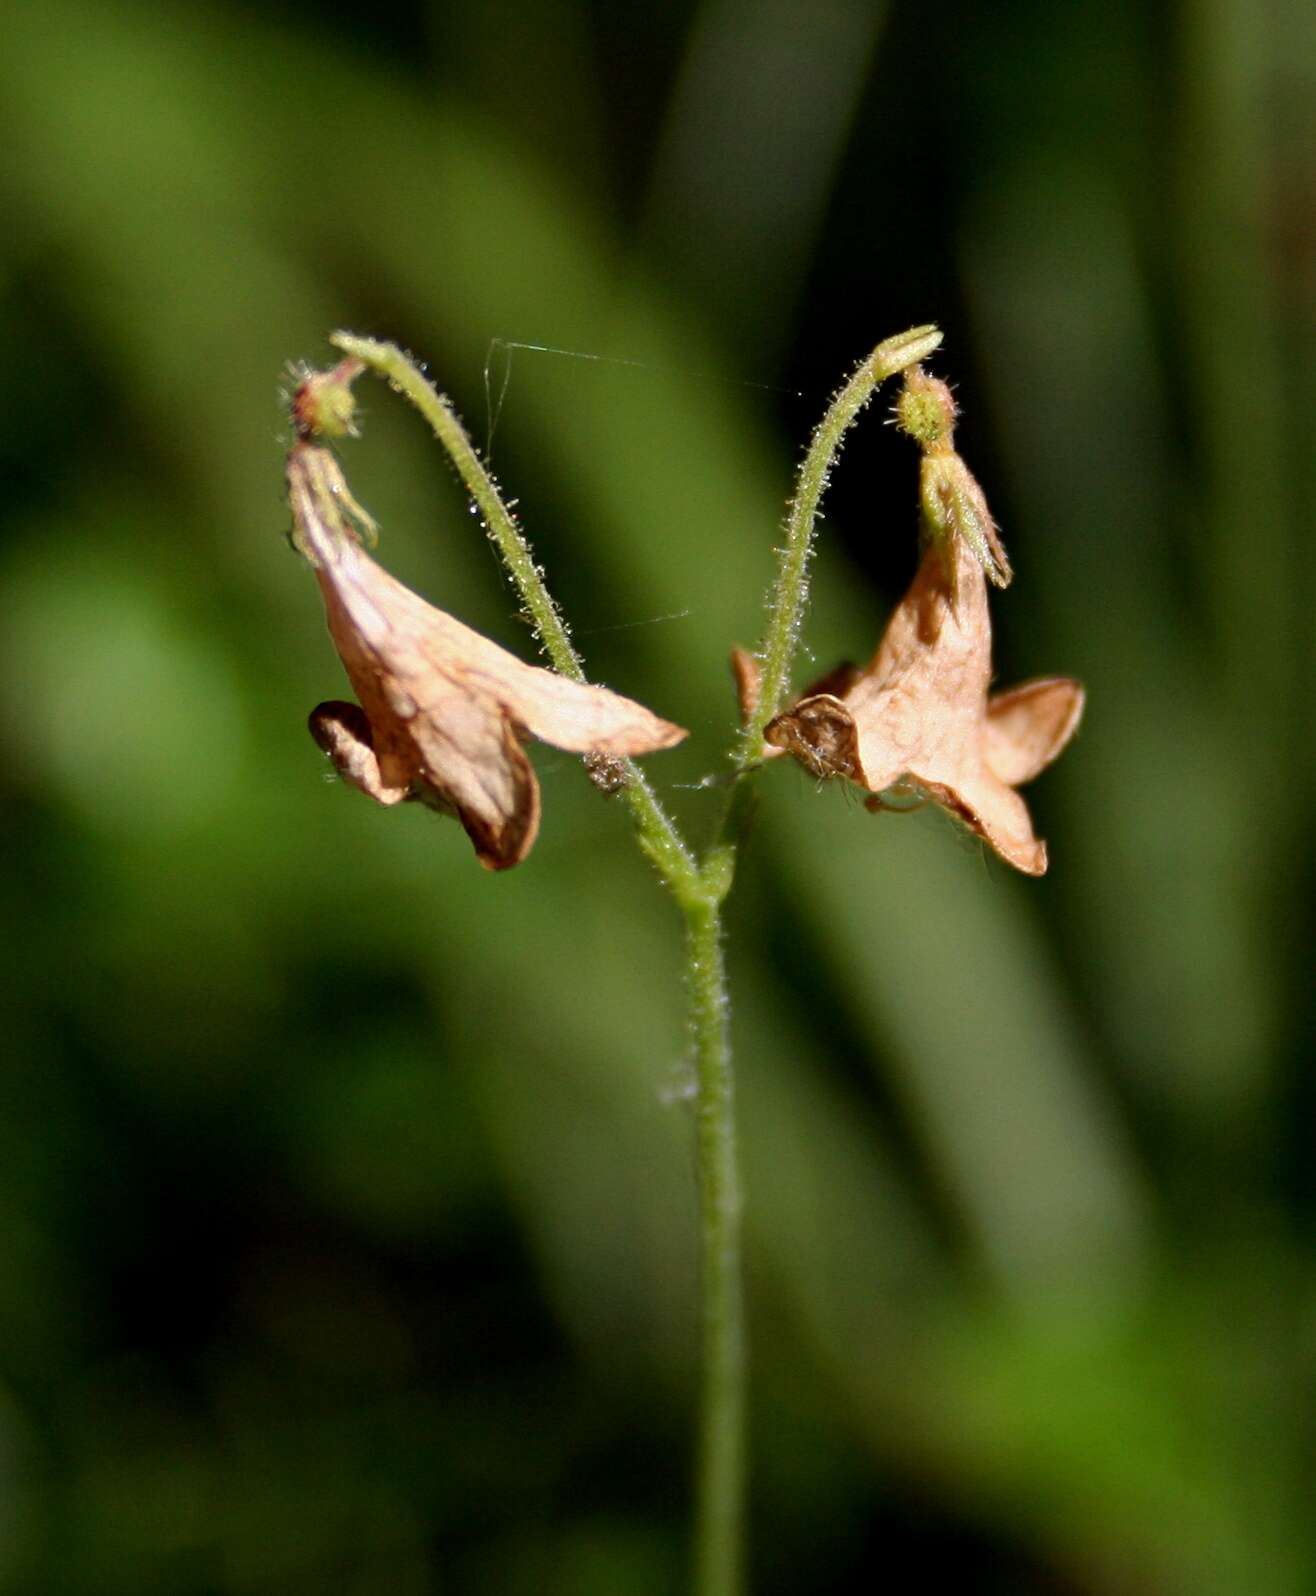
<point x="925" y="410"/>
<point x="324" y="405"/>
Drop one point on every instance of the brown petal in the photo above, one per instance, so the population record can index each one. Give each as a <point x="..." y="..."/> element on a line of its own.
<point x="385" y="627"/>
<point x="931" y="644"/>
<point x="820" y="732"/>
<point x="343" y="731"/>
<point x="998" y="815"/>
<point x="577" y="716"/>
<point x="919" y="713"/>
<point x="748" y="673"/>
<point x="467" y="762"/>
<point x="473" y="761"/>
<point x="1028" y="726"/>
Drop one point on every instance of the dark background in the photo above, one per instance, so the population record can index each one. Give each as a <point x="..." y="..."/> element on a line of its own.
<point x="345" y="1190"/>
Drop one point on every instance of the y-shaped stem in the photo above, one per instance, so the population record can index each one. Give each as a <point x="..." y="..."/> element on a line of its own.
<point x="700" y="888"/>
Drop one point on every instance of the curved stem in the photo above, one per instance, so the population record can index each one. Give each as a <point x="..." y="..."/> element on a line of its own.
<point x="791" y="588"/>
<point x="405" y="377"/>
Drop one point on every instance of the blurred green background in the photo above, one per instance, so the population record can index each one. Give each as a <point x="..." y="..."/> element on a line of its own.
<point x="345" y="1190"/>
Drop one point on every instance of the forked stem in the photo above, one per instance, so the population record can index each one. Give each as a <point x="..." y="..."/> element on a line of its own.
<point x="700" y="888"/>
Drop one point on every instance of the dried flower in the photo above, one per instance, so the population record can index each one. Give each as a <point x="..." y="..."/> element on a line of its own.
<point x="442" y="710"/>
<point x="920" y="712"/>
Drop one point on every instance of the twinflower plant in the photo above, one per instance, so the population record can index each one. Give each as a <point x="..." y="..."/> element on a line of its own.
<point x="441" y="714"/>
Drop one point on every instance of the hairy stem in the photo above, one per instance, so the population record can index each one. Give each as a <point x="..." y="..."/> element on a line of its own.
<point x="791" y="589"/>
<point x="405" y="377"/>
<point x="720" y="1470"/>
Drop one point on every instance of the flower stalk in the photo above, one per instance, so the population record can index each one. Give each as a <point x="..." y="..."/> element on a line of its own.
<point x="791" y="589"/>
<point x="720" y="1459"/>
<point x="698" y="884"/>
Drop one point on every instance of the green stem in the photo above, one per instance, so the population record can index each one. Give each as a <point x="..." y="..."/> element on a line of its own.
<point x="791" y="588"/>
<point x="659" y="838"/>
<point x="720" y="1472"/>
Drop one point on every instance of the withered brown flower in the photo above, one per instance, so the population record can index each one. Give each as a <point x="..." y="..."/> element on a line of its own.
<point x="442" y="710"/>
<point x="920" y="713"/>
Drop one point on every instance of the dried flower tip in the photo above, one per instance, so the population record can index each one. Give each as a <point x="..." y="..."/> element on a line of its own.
<point x="748" y="674"/>
<point x="324" y="406"/>
<point x="324" y="512"/>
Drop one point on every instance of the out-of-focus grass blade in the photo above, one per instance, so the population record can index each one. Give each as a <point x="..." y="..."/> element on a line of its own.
<point x="1168" y="849"/>
<point x="956" y="993"/>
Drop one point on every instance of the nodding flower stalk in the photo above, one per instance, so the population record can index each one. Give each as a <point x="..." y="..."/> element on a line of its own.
<point x="657" y="835"/>
<point x="791" y="589"/>
<point x="323" y="411"/>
